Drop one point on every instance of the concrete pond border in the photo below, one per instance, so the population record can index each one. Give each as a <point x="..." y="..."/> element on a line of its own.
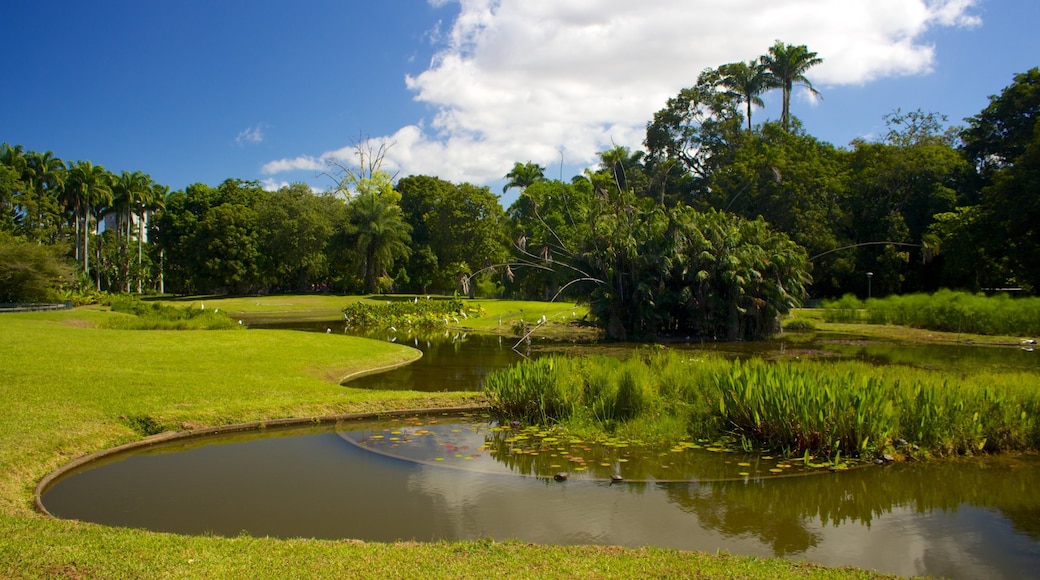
<point x="169" y="436"/>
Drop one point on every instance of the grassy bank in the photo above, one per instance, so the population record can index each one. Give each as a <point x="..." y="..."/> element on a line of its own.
<point x="946" y="311"/>
<point x="69" y="388"/>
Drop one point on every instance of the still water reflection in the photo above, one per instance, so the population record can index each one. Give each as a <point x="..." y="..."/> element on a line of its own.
<point x="446" y="479"/>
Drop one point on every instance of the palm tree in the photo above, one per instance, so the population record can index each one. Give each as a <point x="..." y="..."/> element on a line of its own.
<point x="88" y="185"/>
<point x="523" y="175"/>
<point x="12" y="163"/>
<point x="44" y="176"/>
<point x="129" y="192"/>
<point x="746" y="81"/>
<point x="622" y="164"/>
<point x="153" y="198"/>
<point x="787" y="64"/>
<point x="380" y="233"/>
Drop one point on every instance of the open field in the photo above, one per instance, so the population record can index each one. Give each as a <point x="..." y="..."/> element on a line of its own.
<point x="68" y="388"/>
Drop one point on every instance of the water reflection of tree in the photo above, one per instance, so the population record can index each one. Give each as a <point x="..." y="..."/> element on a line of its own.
<point x="723" y="507"/>
<point x="780" y="512"/>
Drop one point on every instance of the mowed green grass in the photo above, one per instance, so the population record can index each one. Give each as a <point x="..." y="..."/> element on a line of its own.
<point x="496" y="315"/>
<point x="68" y="388"/>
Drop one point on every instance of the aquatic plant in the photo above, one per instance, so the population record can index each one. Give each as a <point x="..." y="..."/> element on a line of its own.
<point x="413" y="314"/>
<point x="816" y="407"/>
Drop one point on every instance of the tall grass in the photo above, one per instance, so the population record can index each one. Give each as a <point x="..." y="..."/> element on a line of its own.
<point x="159" y="316"/>
<point x="943" y="311"/>
<point x="823" y="408"/>
<point x="417" y="314"/>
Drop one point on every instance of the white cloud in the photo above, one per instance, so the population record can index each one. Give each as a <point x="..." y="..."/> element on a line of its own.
<point x="251" y="135"/>
<point x="301" y="163"/>
<point x="516" y="80"/>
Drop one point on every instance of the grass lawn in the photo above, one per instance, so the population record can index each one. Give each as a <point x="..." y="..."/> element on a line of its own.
<point x="68" y="388"/>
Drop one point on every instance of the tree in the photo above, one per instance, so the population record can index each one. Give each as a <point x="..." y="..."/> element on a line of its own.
<point x="788" y="64"/>
<point x="11" y="162"/>
<point x="30" y="272"/>
<point x="374" y="231"/>
<point x="295" y="229"/>
<point x="376" y="227"/>
<point x="624" y="166"/>
<point x="746" y="81"/>
<point x="677" y="271"/>
<point x="523" y="175"/>
<point x="1003" y="143"/>
<point x="456" y="230"/>
<point x="549" y="223"/>
<point x="131" y="191"/>
<point x="88" y="186"/>
<point x="44" y="174"/>
<point x="696" y="130"/>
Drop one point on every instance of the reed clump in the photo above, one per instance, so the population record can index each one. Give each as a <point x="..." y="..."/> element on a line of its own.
<point x="415" y="314"/>
<point x="945" y="310"/>
<point x="794" y="407"/>
<point x="159" y="316"/>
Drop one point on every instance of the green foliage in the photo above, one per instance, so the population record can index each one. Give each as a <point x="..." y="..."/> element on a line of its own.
<point x="409" y="315"/>
<point x="158" y="316"/>
<point x="946" y="311"/>
<point x="823" y="408"/>
<point x="680" y="271"/>
<point x="457" y="230"/>
<point x="30" y="272"/>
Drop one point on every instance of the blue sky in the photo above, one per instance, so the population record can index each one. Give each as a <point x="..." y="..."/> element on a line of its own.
<point x="199" y="91"/>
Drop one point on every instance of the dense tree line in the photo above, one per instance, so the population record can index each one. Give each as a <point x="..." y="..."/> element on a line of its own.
<point x="720" y="224"/>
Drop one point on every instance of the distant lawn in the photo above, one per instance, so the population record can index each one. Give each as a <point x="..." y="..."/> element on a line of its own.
<point x="68" y="388"/>
<point x="499" y="316"/>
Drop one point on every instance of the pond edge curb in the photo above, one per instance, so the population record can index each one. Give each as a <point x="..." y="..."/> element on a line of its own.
<point x="168" y="436"/>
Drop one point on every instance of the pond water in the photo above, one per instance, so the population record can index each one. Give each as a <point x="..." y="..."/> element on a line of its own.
<point x="465" y="478"/>
<point x="458" y="361"/>
<point x="451" y="478"/>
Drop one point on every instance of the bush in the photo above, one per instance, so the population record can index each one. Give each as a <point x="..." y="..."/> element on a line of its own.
<point x="31" y="272"/>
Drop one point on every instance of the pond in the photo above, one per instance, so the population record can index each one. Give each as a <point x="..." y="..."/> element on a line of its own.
<point x="431" y="478"/>
<point x="465" y="478"/>
<point x="459" y="361"/>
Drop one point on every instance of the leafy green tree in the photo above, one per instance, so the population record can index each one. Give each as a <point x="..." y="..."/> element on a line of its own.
<point x="421" y="199"/>
<point x="209" y="238"/>
<point x="296" y="226"/>
<point x="695" y="131"/>
<point x="788" y="63"/>
<point x="1003" y="142"/>
<point x="228" y="238"/>
<point x="624" y="167"/>
<point x="29" y="271"/>
<point x="896" y="188"/>
<point x="549" y="223"/>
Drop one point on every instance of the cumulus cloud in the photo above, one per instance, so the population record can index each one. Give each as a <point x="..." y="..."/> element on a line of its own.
<point x="301" y="163"/>
<point x="250" y="135"/>
<point x="519" y="80"/>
